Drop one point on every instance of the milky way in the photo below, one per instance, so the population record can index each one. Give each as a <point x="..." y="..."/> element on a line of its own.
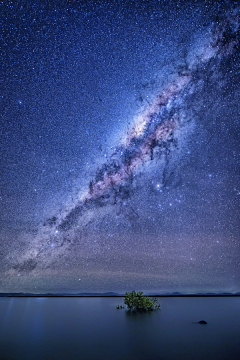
<point x="120" y="132"/>
<point x="153" y="131"/>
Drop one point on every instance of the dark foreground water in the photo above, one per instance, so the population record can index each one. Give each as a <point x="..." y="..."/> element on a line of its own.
<point x="92" y="328"/>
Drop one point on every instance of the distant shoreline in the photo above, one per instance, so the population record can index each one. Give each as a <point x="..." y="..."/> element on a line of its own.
<point x="113" y="295"/>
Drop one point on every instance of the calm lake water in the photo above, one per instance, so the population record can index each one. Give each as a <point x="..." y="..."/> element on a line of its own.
<point x="92" y="328"/>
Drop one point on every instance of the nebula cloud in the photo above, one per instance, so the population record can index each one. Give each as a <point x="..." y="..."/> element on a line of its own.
<point x="153" y="131"/>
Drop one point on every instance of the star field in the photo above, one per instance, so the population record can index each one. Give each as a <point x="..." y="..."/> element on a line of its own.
<point x="120" y="146"/>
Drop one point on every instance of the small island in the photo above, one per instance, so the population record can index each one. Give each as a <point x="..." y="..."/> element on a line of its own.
<point x="139" y="302"/>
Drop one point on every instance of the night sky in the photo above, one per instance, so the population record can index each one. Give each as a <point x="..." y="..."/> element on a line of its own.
<point x="120" y="146"/>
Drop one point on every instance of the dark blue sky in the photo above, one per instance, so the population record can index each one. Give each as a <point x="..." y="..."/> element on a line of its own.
<point x="119" y="146"/>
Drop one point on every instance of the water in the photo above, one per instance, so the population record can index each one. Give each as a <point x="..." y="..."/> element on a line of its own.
<point x="92" y="328"/>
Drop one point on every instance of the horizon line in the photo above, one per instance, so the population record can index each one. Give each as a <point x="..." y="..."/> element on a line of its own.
<point x="113" y="294"/>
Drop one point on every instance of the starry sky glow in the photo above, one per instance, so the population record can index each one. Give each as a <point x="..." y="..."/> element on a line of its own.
<point x="120" y="146"/>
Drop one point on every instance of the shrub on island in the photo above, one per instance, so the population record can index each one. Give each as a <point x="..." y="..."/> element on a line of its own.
<point x="139" y="302"/>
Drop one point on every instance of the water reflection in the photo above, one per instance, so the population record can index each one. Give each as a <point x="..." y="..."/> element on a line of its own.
<point x="92" y="328"/>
